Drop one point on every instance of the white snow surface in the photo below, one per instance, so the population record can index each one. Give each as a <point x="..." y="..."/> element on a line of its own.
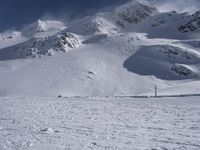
<point x="100" y="124"/>
<point x="95" y="66"/>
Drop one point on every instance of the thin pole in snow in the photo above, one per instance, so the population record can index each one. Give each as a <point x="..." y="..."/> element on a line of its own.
<point x="156" y="91"/>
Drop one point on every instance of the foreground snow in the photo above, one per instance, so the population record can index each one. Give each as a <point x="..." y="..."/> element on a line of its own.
<point x="99" y="123"/>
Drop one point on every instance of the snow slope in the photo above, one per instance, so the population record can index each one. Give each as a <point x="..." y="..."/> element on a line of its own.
<point x="90" y="70"/>
<point x="124" y="51"/>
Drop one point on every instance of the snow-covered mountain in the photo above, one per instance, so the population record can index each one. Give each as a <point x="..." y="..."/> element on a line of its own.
<point x="122" y="51"/>
<point x="111" y="22"/>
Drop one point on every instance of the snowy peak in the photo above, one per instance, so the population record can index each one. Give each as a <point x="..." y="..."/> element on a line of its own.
<point x="40" y="26"/>
<point x="36" y="27"/>
<point x="99" y="23"/>
<point x="134" y="11"/>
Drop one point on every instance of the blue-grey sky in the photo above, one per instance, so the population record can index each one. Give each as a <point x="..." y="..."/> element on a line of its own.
<point x="14" y="13"/>
<point x="17" y="12"/>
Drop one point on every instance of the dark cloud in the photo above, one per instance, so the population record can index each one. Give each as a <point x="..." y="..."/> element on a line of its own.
<point x="17" y="12"/>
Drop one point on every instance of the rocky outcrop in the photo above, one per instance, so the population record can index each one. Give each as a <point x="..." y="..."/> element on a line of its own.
<point x="43" y="46"/>
<point x="133" y="12"/>
<point x="192" y="25"/>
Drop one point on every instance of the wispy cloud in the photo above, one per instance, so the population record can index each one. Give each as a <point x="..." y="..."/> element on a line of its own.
<point x="18" y="12"/>
<point x="178" y="5"/>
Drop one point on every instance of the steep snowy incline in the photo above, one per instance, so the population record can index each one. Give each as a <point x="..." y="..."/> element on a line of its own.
<point x="89" y="70"/>
<point x="10" y="38"/>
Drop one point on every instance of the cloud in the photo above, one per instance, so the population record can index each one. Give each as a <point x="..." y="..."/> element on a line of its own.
<point x="17" y="12"/>
<point x="178" y="5"/>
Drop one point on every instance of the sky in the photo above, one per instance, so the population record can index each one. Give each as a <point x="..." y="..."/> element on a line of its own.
<point x="15" y="13"/>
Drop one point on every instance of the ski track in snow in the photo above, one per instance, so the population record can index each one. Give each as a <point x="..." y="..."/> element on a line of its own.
<point x="99" y="123"/>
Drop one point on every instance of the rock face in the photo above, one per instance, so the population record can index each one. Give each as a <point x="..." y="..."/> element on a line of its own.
<point x="43" y="46"/>
<point x="192" y="25"/>
<point x="182" y="71"/>
<point x="66" y="40"/>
